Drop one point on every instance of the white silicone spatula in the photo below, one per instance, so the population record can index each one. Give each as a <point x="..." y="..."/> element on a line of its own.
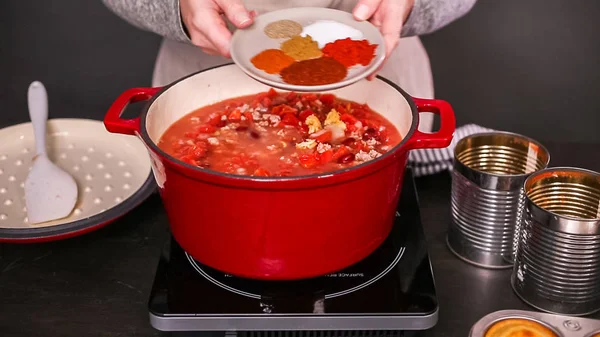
<point x="50" y="192"/>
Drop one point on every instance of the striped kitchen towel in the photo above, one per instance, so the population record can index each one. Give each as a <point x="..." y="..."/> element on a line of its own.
<point x="432" y="161"/>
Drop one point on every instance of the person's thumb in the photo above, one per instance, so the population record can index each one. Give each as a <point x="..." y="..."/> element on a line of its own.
<point x="364" y="9"/>
<point x="236" y="12"/>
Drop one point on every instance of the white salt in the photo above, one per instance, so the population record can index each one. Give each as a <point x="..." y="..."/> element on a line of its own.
<point x="325" y="31"/>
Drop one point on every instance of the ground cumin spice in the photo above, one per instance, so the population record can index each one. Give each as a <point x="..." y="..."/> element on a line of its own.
<point x="350" y="52"/>
<point x="283" y="29"/>
<point x="301" y="48"/>
<point x="271" y="61"/>
<point x="318" y="71"/>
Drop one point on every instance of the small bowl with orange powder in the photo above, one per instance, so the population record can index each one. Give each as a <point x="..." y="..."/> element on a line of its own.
<point x="308" y="49"/>
<point x="528" y="323"/>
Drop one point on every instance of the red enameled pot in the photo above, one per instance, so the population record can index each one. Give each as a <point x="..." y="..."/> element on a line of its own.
<point x="277" y="228"/>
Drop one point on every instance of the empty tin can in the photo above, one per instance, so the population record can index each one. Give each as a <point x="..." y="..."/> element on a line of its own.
<point x="557" y="267"/>
<point x="487" y="192"/>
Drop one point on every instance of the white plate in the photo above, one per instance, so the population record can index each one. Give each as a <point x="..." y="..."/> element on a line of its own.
<point x="248" y="42"/>
<point x="112" y="172"/>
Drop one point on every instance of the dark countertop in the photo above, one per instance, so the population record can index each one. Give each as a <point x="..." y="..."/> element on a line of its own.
<point x="98" y="284"/>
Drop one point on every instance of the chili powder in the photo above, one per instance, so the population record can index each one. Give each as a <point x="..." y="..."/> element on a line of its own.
<point x="350" y="52"/>
<point x="271" y="61"/>
<point x="324" y="70"/>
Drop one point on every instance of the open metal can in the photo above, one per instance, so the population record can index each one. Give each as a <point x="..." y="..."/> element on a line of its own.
<point x="557" y="267"/>
<point x="487" y="192"/>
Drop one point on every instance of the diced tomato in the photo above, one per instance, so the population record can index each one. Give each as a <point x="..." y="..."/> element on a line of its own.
<point x="266" y="102"/>
<point x="327" y="99"/>
<point x="341" y="109"/>
<point x="215" y="120"/>
<point x="304" y="114"/>
<point x="249" y="118"/>
<point x="351" y="127"/>
<point x="262" y="95"/>
<point x="340" y="152"/>
<point x="309" y="97"/>
<point x="350" y="122"/>
<point x="293" y="101"/>
<point x="272" y="93"/>
<point x="199" y="153"/>
<point x="260" y="172"/>
<point x="289" y="109"/>
<point x="283" y="109"/>
<point x="235" y="116"/>
<point x="206" y="129"/>
<point x="276" y="110"/>
<point x="371" y="123"/>
<point x="348" y="118"/>
<point x="291" y="95"/>
<point x="308" y="160"/>
<point x="326" y="157"/>
<point x="322" y="136"/>
<point x="290" y="119"/>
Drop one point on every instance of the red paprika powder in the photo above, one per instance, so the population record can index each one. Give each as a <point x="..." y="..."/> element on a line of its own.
<point x="350" y="52"/>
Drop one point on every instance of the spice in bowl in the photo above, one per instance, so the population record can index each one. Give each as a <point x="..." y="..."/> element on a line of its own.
<point x="283" y="29"/>
<point x="301" y="48"/>
<point x="325" y="31"/>
<point x="350" y="52"/>
<point x="324" y="70"/>
<point x="519" y="327"/>
<point x="319" y="54"/>
<point x="272" y="61"/>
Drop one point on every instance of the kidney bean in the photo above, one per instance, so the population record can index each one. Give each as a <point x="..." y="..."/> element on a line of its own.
<point x="370" y="133"/>
<point x="347" y="158"/>
<point x="254" y="134"/>
<point x="241" y="128"/>
<point x="349" y="141"/>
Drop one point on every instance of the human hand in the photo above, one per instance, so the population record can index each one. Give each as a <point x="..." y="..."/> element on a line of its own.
<point x="206" y="25"/>
<point x="388" y="16"/>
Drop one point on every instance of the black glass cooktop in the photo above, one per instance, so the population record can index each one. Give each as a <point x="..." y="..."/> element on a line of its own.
<point x="393" y="288"/>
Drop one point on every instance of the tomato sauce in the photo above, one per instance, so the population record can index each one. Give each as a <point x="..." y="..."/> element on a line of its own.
<point x="280" y="134"/>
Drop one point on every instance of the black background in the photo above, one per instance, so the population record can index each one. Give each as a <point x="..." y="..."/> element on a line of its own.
<point x="523" y="66"/>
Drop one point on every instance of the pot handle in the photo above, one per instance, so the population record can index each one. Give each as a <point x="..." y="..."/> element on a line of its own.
<point x="113" y="121"/>
<point x="443" y="137"/>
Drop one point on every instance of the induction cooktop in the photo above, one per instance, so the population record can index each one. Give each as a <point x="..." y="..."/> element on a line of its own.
<point x="393" y="289"/>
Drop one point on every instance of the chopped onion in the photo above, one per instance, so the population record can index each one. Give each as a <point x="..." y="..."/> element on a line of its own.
<point x="337" y="133"/>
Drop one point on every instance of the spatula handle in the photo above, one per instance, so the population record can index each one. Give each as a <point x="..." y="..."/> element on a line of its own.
<point x="37" y="100"/>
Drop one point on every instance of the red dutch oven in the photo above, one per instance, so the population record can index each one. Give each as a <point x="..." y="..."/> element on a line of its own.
<point x="277" y="228"/>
